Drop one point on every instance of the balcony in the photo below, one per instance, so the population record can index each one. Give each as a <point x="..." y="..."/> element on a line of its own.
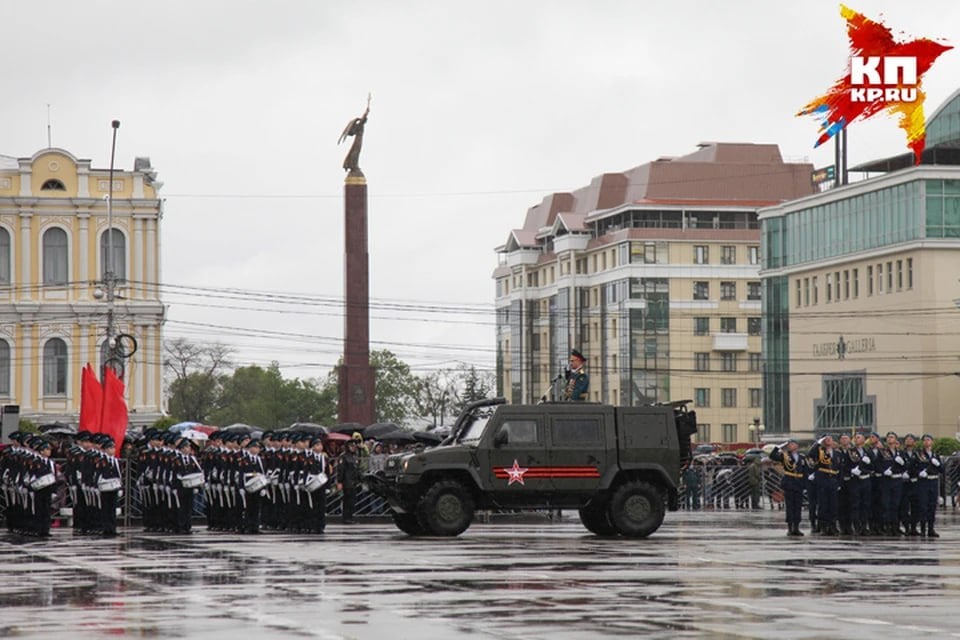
<point x="523" y="256"/>
<point x="729" y="342"/>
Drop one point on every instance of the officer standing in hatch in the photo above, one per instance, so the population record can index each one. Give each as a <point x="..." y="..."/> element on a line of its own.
<point x="578" y="382"/>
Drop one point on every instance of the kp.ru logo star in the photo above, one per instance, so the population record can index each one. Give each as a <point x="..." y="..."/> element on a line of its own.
<point x="515" y="473"/>
<point x="882" y="75"/>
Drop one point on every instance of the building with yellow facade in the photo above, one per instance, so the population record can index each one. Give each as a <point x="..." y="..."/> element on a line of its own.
<point x="54" y="238"/>
<point x="862" y="298"/>
<point x="654" y="274"/>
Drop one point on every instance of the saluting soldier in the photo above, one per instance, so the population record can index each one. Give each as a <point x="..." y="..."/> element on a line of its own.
<point x="826" y="470"/>
<point x="928" y="486"/>
<point x="578" y="383"/>
<point x="792" y="483"/>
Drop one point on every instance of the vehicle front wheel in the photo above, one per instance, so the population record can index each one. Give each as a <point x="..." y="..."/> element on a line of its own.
<point x="596" y="518"/>
<point x="446" y="509"/>
<point x="637" y="509"/>
<point x="408" y="523"/>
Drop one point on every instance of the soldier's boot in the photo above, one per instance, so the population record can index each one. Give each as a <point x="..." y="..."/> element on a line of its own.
<point x="912" y="531"/>
<point x="796" y="530"/>
<point x="930" y="532"/>
<point x="846" y="529"/>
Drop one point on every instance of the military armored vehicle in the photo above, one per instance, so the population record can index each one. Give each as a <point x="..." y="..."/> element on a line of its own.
<point x="619" y="466"/>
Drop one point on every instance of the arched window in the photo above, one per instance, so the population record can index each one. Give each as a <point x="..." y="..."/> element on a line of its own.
<point x="4" y="256"/>
<point x="4" y="368"/>
<point x="53" y="185"/>
<point x="55" y="256"/>
<point x="118" y="255"/>
<point x="55" y="367"/>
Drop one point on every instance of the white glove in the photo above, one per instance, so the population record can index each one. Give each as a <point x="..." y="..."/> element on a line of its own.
<point x="855" y="471"/>
<point x="898" y="460"/>
<point x="866" y="459"/>
<point x="810" y="477"/>
<point x="888" y="472"/>
<point x="935" y="462"/>
<point x="923" y="473"/>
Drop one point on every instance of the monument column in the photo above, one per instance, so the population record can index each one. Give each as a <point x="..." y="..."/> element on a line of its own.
<point x="355" y="376"/>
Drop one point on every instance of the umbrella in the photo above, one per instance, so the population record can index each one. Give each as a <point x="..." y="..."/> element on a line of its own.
<point x="239" y="427"/>
<point x="379" y="429"/>
<point x="335" y="436"/>
<point x="205" y="429"/>
<point x="182" y="426"/>
<point x="399" y="437"/>
<point x="192" y="434"/>
<point x="308" y="427"/>
<point x="348" y="428"/>
<point x="429" y="438"/>
<point x="56" y="427"/>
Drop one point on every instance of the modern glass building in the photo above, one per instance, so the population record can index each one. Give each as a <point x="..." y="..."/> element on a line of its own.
<point x="861" y="286"/>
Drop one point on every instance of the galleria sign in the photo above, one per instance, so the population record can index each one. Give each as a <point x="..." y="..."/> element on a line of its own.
<point x="841" y="348"/>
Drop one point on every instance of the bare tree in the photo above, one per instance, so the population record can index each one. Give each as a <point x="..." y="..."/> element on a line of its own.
<point x="195" y="375"/>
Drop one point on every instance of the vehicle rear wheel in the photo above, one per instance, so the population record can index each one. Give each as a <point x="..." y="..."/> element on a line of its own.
<point x="596" y="518"/>
<point x="446" y="509"/>
<point x="408" y="523"/>
<point x="637" y="509"/>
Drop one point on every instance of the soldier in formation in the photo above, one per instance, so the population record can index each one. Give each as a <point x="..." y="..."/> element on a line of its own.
<point x="28" y="476"/>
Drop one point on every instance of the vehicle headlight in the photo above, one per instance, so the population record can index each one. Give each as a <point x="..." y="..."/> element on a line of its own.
<point x="406" y="463"/>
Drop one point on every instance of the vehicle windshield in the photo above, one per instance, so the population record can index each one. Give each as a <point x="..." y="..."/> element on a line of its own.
<point x="476" y="422"/>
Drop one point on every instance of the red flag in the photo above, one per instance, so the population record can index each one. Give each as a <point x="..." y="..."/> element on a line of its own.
<point x="91" y="401"/>
<point x="115" y="418"/>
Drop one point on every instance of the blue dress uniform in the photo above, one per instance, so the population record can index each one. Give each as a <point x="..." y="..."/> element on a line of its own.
<point x="826" y="470"/>
<point x="892" y="468"/>
<point x="910" y="500"/>
<point x="849" y="497"/>
<point x="792" y="484"/>
<point x="930" y="468"/>
<point x="876" y="480"/>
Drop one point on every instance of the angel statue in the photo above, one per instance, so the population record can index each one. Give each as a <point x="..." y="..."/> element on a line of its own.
<point x="355" y="128"/>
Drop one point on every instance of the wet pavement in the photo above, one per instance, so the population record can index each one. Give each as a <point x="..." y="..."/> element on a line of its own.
<point x="704" y="574"/>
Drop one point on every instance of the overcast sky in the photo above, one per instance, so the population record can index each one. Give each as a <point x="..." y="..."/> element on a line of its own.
<point x="479" y="110"/>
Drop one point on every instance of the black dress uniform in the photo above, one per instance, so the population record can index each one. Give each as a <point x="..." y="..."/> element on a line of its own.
<point x="252" y="465"/>
<point x="316" y="464"/>
<point x="792" y="484"/>
<point x="107" y="468"/>
<point x="348" y="477"/>
<point x="892" y="468"/>
<point x="861" y="471"/>
<point x="930" y="468"/>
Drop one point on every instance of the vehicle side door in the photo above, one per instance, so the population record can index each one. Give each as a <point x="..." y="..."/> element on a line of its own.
<point x="517" y="453"/>
<point x="579" y="451"/>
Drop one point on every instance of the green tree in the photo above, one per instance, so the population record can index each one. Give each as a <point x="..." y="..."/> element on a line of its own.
<point x="196" y="372"/>
<point x="164" y="423"/>
<point x="396" y="389"/>
<point x="262" y="397"/>
<point x="946" y="446"/>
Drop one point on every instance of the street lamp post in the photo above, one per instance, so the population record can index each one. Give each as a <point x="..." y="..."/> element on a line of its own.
<point x="109" y="278"/>
<point x="757" y="429"/>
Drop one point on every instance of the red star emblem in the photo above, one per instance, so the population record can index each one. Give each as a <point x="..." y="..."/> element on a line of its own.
<point x="515" y="473"/>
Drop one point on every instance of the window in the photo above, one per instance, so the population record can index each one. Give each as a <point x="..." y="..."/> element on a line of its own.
<point x="756" y="399"/>
<point x="909" y="273"/>
<point x="816" y="290"/>
<point x="829" y="287"/>
<point x="754" y="255"/>
<point x="703" y="433"/>
<point x="889" y="277"/>
<point x="519" y="431"/>
<point x="756" y="362"/>
<point x="5" y="257"/>
<point x="649" y="253"/>
<point x="806" y="292"/>
<point x="55" y="256"/>
<point x="576" y="431"/>
<point x="870" y="280"/>
<point x="856" y="283"/>
<point x="728" y="290"/>
<point x="701" y="254"/>
<point x="701" y="361"/>
<point x="799" y="292"/>
<point x="117" y="253"/>
<point x="753" y="290"/>
<point x="728" y="325"/>
<point x="55" y="367"/>
<point x="701" y="326"/>
<point x="701" y="290"/>
<point x="844" y="403"/>
<point x="728" y="398"/>
<point x="53" y="185"/>
<point x="846" y="284"/>
<point x="729" y="432"/>
<point x="899" y="275"/>
<point x="728" y="255"/>
<point x="701" y="397"/>
<point x="754" y="326"/>
<point x="879" y="277"/>
<point x="728" y="362"/>
<point x="4" y="368"/>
